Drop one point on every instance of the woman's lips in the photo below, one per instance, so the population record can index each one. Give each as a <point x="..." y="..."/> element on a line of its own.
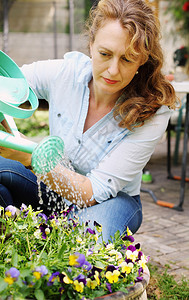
<point x="109" y="81"/>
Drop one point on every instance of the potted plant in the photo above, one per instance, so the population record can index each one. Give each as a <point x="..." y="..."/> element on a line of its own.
<point x="56" y="257"/>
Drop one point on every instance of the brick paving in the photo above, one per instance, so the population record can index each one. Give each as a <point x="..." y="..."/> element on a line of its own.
<point x="164" y="233"/>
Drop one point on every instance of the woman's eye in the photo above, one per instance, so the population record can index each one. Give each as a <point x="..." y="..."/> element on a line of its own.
<point x="103" y="54"/>
<point x="125" y="59"/>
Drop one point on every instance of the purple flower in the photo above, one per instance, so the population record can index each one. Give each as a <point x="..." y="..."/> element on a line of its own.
<point x="45" y="230"/>
<point x="93" y="272"/>
<point x="10" y="211"/>
<point x="128" y="260"/>
<point x="111" y="268"/>
<point x="12" y="272"/>
<point x="67" y="211"/>
<point x="140" y="254"/>
<point x="108" y="285"/>
<point x="90" y="251"/>
<point x="77" y="260"/>
<point x="73" y="222"/>
<point x="90" y="231"/>
<point x="11" y="275"/>
<point x="139" y="278"/>
<point x="131" y="248"/>
<point x="24" y="209"/>
<point x="43" y="217"/>
<point x="137" y="246"/>
<point x="129" y="238"/>
<point x="52" y="278"/>
<point x="140" y="271"/>
<point x="87" y="266"/>
<point x="81" y="278"/>
<point x="40" y="272"/>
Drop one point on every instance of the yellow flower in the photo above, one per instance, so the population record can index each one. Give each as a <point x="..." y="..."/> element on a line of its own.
<point x="8" y="213"/>
<point x="66" y="279"/>
<point x="96" y="237"/>
<point x="112" y="276"/>
<point x="47" y="231"/>
<point x="37" y="275"/>
<point x="73" y="260"/>
<point x="132" y="255"/>
<point x="126" y="268"/>
<point x="143" y="260"/>
<point x="79" y="240"/>
<point x="9" y="280"/>
<point x="128" y="231"/>
<point x="96" y="276"/>
<point x="78" y="286"/>
<point x="92" y="284"/>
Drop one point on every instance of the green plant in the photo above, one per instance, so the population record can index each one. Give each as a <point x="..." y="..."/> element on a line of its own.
<point x="56" y="257"/>
<point x="179" y="9"/>
<point x="163" y="286"/>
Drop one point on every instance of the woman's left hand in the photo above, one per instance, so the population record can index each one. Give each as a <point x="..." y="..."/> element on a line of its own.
<point x="24" y="158"/>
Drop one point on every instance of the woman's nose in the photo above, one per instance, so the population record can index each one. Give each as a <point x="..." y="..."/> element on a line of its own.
<point x="113" y="68"/>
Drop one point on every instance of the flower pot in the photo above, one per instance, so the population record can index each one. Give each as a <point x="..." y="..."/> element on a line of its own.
<point x="138" y="291"/>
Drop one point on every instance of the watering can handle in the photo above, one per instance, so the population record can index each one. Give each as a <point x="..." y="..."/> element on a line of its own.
<point x="18" y="112"/>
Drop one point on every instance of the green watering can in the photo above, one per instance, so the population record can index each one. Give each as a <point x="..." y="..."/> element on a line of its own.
<point x="14" y="91"/>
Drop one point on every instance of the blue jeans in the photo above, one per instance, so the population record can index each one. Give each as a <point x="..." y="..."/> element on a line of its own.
<point x="19" y="185"/>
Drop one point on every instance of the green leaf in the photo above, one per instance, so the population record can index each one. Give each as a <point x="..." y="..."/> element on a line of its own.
<point x="62" y="249"/>
<point x="15" y="258"/>
<point x="3" y="285"/>
<point x="99" y="264"/>
<point x="39" y="295"/>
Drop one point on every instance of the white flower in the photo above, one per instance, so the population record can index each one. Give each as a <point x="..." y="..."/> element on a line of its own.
<point x="37" y="234"/>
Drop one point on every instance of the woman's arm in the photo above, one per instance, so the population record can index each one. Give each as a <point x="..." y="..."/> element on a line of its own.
<point x="74" y="187"/>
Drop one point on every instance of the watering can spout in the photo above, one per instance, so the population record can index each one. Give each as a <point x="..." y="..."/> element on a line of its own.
<point x="7" y="140"/>
<point x="14" y="90"/>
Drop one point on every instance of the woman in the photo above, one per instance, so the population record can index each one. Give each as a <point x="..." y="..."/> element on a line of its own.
<point x="110" y="110"/>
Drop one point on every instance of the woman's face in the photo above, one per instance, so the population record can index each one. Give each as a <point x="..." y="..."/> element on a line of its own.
<point x="111" y="69"/>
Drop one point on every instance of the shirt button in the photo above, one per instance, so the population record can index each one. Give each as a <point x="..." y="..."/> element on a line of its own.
<point x="79" y="141"/>
<point x="109" y="180"/>
<point x="59" y="115"/>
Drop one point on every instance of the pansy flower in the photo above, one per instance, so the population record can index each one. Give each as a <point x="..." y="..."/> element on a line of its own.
<point x="77" y="260"/>
<point x="126" y="267"/>
<point x="24" y="210"/>
<point x="78" y="286"/>
<point x="10" y="211"/>
<point x="66" y="279"/>
<point x="53" y="277"/>
<point x="112" y="276"/>
<point x="81" y="278"/>
<point x="11" y="275"/>
<point x="43" y="217"/>
<point x="40" y="272"/>
<point x="45" y="230"/>
<point x="108" y="285"/>
<point x="91" y="231"/>
<point x="132" y="253"/>
<point x="94" y="281"/>
<point x="98" y="226"/>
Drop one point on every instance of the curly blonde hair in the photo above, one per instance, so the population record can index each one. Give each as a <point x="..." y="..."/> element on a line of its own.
<point x="149" y="89"/>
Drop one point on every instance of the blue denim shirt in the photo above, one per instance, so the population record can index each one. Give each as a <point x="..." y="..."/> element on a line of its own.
<point x="112" y="157"/>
